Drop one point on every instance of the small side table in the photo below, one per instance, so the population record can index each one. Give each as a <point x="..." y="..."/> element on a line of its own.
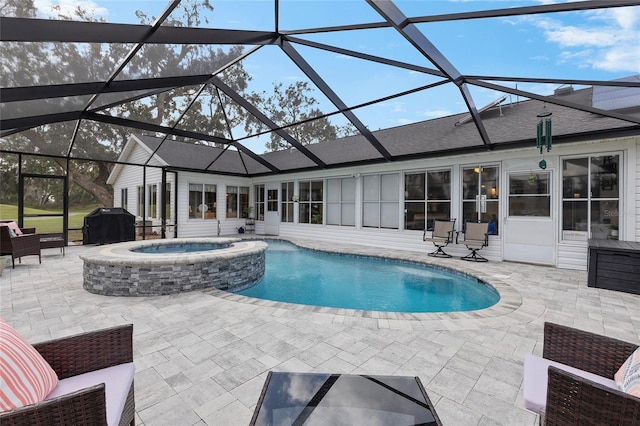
<point x="331" y="399"/>
<point x="52" y="241"/>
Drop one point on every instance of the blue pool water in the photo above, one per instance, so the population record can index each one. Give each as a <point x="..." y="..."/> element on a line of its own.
<point x="179" y="248"/>
<point x="308" y="277"/>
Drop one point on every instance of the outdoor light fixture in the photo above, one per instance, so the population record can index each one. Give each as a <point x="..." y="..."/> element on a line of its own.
<point x="543" y="134"/>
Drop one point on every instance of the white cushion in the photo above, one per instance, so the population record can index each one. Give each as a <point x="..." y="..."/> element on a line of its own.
<point x="536" y="377"/>
<point x="117" y="380"/>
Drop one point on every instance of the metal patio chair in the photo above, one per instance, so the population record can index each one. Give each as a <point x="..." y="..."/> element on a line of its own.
<point x="476" y="237"/>
<point x="441" y="236"/>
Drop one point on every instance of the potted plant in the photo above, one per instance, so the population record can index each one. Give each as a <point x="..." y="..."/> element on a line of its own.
<point x="248" y="212"/>
<point x="316" y="218"/>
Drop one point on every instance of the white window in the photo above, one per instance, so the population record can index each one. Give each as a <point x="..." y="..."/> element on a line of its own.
<point x="259" y="201"/>
<point x="167" y="201"/>
<point x="341" y="201"/>
<point x="140" y="201"/>
<point x="287" y="202"/>
<point x="202" y="201"/>
<point x="380" y="207"/>
<point x="311" y="202"/>
<point x="237" y="201"/>
<point x="152" y="198"/>
<point x="124" y="198"/>
<point x="480" y="195"/>
<point x="530" y="194"/>
<point x="427" y="196"/>
<point x="591" y="197"/>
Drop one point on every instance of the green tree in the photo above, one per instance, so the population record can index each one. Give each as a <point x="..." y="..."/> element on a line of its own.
<point x="8" y="179"/>
<point x="75" y="62"/>
<point x="293" y="104"/>
<point x="57" y="63"/>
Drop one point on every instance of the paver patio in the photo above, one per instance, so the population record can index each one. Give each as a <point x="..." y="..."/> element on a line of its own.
<point x="202" y="357"/>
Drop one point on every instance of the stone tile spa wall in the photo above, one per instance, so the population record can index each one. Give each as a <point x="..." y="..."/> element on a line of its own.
<point x="116" y="271"/>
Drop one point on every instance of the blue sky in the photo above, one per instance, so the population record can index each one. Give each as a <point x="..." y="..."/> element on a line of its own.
<point x="598" y="45"/>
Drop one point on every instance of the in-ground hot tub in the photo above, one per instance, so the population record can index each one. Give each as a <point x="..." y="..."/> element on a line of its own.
<point x="125" y="269"/>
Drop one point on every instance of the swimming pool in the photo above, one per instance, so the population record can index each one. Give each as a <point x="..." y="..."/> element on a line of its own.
<point x="308" y="277"/>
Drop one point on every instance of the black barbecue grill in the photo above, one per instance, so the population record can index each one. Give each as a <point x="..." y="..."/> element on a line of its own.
<point x="108" y="225"/>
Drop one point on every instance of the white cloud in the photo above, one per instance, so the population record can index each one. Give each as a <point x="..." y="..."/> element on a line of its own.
<point x="617" y="59"/>
<point x="605" y="39"/>
<point x="436" y="113"/>
<point x="398" y="107"/>
<point x="401" y="121"/>
<point x="540" y="58"/>
<point x="573" y="36"/>
<point x="623" y="17"/>
<point x="45" y="8"/>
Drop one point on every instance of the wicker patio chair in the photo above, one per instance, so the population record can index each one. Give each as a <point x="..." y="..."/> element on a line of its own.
<point x="72" y="356"/>
<point x="26" y="244"/>
<point x="441" y="236"/>
<point x="573" y="400"/>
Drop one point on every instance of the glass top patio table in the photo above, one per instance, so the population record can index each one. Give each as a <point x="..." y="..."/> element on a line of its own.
<point x="343" y="399"/>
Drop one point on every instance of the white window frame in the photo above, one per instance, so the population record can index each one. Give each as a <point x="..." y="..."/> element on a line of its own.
<point x="386" y="203"/>
<point x="310" y="202"/>
<point x="531" y="179"/>
<point x="287" y="190"/>
<point x="426" y="200"/>
<point x="341" y="201"/>
<point x="208" y="213"/>
<point x="578" y="235"/>
<point x="152" y="201"/>
<point x="124" y="198"/>
<point x="259" y="201"/>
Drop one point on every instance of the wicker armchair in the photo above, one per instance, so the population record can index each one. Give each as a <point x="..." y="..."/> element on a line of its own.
<point x="573" y="400"/>
<point x="26" y="244"/>
<point x="71" y="356"/>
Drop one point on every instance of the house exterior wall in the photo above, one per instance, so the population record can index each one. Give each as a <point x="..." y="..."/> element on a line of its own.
<point x="199" y="227"/>
<point x="569" y="254"/>
<point x="132" y="177"/>
<point x="574" y="254"/>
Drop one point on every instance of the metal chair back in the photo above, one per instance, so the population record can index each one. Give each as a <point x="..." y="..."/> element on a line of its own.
<point x="476" y="231"/>
<point x="443" y="229"/>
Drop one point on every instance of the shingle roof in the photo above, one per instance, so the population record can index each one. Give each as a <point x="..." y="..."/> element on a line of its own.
<point x="508" y="124"/>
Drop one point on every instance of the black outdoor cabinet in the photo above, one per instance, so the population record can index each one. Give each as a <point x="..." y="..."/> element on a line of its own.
<point x="614" y="265"/>
<point x="108" y="225"/>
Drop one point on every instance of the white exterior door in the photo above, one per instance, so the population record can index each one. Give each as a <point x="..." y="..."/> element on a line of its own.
<point x="529" y="228"/>
<point x="271" y="214"/>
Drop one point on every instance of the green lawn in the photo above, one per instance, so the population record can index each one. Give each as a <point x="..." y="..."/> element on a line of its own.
<point x="45" y="225"/>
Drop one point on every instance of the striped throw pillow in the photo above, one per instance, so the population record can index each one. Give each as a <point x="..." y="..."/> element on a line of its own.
<point x="15" y="227"/>
<point x="628" y="376"/>
<point x="25" y="377"/>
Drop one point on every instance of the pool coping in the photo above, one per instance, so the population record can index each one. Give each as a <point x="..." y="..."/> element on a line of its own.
<point x="510" y="303"/>
<point x="120" y="253"/>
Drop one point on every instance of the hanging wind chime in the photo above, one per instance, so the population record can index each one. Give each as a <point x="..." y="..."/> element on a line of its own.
<point x="543" y="137"/>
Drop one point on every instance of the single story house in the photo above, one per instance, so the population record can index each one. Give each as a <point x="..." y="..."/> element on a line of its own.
<point x="543" y="205"/>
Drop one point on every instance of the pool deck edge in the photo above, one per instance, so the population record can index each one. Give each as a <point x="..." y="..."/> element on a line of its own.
<point x="504" y="312"/>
